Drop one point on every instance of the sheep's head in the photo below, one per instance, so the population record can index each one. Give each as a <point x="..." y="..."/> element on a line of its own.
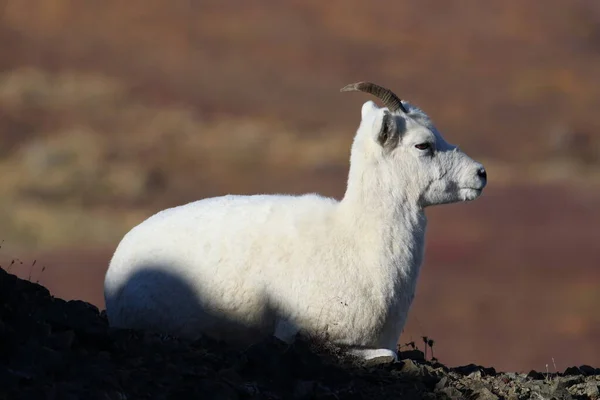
<point x="401" y="145"/>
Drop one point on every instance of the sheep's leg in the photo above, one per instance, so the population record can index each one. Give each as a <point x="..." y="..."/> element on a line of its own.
<point x="377" y="356"/>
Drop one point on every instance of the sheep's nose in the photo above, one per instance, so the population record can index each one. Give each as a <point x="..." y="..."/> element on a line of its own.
<point x="482" y="173"/>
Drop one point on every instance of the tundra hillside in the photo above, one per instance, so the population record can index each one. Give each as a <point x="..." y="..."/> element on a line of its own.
<point x="111" y="112"/>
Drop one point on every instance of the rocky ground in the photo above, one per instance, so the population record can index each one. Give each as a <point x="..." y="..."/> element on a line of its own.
<point x="56" y="349"/>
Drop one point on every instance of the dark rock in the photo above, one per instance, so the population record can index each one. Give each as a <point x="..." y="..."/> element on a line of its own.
<point x="476" y="385"/>
<point x="416" y="355"/>
<point x="230" y="375"/>
<point x="61" y="340"/>
<point x="304" y="389"/>
<point x="56" y="349"/>
<point x="559" y="389"/>
<point x="484" y="394"/>
<point x="566" y="381"/>
<point x="452" y="393"/>
<point x="535" y="375"/>
<point x="467" y="369"/>
<point x="34" y="360"/>
<point x="442" y="383"/>
<point x="587" y="370"/>
<point x="572" y="371"/>
<point x="410" y="368"/>
<point x="214" y="390"/>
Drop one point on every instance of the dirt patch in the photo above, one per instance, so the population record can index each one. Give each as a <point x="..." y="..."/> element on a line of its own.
<point x="51" y="348"/>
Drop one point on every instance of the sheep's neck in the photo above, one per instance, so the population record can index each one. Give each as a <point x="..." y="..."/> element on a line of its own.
<point x="390" y="226"/>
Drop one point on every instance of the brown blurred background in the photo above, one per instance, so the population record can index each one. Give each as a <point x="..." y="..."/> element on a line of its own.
<point x="112" y="110"/>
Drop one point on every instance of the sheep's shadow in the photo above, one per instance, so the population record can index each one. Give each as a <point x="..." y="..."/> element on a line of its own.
<point x="156" y="300"/>
<point x="262" y="356"/>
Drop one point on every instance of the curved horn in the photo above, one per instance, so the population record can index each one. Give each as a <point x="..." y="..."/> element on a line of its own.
<point x="389" y="99"/>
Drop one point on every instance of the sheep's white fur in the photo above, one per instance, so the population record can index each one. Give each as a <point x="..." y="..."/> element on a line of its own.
<point x="263" y="265"/>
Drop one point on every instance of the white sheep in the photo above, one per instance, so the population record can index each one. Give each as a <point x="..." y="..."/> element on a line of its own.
<point x="240" y="268"/>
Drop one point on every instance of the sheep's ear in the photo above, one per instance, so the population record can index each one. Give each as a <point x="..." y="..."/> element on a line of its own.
<point x="389" y="132"/>
<point x="368" y="107"/>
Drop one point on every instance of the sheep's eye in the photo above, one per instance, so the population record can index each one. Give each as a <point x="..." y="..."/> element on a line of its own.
<point x="423" y="146"/>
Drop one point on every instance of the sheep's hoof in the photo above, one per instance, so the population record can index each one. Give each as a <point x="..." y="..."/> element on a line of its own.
<point x="376" y="356"/>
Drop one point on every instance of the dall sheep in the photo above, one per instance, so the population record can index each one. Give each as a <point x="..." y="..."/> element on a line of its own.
<point x="241" y="268"/>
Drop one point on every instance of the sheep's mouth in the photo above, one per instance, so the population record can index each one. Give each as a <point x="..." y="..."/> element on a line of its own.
<point x="471" y="193"/>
